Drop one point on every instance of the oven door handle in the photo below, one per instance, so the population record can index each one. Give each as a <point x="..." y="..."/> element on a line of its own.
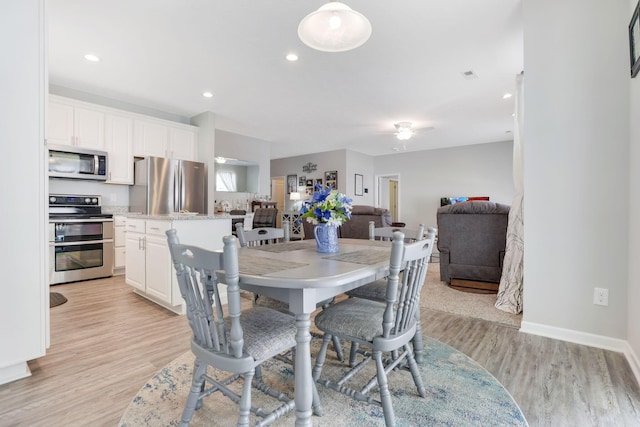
<point x="85" y="220"/>
<point x="84" y="242"/>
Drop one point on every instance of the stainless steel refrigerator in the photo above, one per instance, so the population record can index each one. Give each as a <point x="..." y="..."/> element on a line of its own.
<point x="165" y="186"/>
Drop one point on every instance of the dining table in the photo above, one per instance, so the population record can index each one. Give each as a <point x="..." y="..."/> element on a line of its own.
<point x="296" y="273"/>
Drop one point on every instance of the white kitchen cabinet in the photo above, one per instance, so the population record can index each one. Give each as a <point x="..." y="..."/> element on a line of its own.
<point x="161" y="139"/>
<point x="119" y="145"/>
<point x="149" y="268"/>
<point x="182" y="143"/>
<point x="75" y="125"/>
<point x="119" y="243"/>
<point x="135" y="273"/>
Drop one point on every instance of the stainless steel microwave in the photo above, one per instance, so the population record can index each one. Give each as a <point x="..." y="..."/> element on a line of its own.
<point x="77" y="163"/>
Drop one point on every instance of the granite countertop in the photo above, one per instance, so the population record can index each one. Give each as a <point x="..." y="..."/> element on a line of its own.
<point x="181" y="217"/>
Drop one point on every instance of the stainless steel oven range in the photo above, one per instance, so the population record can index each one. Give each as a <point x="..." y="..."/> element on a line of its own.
<point x="80" y="239"/>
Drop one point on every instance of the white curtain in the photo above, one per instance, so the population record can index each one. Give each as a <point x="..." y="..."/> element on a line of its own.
<point x="226" y="181"/>
<point x="512" y="280"/>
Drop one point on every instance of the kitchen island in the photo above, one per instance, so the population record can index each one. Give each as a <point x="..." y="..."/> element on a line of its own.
<point x="149" y="269"/>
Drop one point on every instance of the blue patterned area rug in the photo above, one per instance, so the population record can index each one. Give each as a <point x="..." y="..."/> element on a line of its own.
<point x="459" y="393"/>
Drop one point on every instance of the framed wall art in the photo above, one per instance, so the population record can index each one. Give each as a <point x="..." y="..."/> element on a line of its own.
<point x="302" y="181"/>
<point x="634" y="41"/>
<point x="292" y="183"/>
<point x="359" y="184"/>
<point x="331" y="179"/>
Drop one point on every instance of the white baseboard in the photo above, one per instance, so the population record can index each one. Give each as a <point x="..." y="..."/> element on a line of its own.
<point x="14" y="372"/>
<point x="584" y="338"/>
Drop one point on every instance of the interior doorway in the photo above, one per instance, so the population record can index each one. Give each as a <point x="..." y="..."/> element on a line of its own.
<point x="388" y="194"/>
<point x="277" y="195"/>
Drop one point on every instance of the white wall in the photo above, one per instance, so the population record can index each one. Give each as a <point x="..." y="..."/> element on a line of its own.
<point x="206" y="123"/>
<point x="362" y="164"/>
<point x="576" y="149"/>
<point x="426" y="176"/>
<point x="326" y="161"/>
<point x="25" y="290"/>
<point x="243" y="147"/>
<point x="633" y="319"/>
<point x="112" y="194"/>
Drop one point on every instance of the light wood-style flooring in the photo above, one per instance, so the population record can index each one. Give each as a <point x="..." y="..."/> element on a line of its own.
<point x="106" y="342"/>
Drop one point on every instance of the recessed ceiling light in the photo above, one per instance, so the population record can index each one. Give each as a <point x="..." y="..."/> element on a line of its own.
<point x="207" y="94"/>
<point x="292" y="57"/>
<point x="91" y="57"/>
<point x="507" y="96"/>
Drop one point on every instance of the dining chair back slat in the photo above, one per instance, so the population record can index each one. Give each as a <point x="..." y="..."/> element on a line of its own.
<point x="262" y="235"/>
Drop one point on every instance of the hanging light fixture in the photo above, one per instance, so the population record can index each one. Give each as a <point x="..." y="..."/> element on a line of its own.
<point x="404" y="130"/>
<point x="334" y="27"/>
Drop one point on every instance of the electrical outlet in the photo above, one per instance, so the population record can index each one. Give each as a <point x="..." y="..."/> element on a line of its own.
<point x="601" y="296"/>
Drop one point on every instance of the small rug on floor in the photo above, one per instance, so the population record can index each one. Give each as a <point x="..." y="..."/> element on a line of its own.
<point x="437" y="295"/>
<point x="459" y="393"/>
<point x="56" y="299"/>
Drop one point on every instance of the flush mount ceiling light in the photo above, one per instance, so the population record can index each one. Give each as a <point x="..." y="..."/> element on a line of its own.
<point x="334" y="27"/>
<point x="220" y="160"/>
<point x="404" y="130"/>
<point x="207" y="94"/>
<point x="91" y="57"/>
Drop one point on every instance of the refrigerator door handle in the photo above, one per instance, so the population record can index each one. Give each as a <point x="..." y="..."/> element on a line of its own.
<point x="176" y="189"/>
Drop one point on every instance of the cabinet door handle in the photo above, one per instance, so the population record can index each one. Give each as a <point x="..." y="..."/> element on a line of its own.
<point x="155" y="228"/>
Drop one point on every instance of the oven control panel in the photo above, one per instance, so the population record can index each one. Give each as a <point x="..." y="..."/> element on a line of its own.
<point x="70" y="200"/>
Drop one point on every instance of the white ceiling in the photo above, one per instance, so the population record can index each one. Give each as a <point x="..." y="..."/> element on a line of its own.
<point x="164" y="54"/>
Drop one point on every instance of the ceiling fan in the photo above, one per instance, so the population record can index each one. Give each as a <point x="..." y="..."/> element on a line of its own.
<point x="404" y="132"/>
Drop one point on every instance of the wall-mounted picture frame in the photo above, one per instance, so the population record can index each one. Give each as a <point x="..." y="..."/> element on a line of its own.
<point x="292" y="183"/>
<point x="317" y="181"/>
<point x="359" y="184"/>
<point x="310" y="182"/>
<point x="302" y="181"/>
<point x="634" y="41"/>
<point x="331" y="179"/>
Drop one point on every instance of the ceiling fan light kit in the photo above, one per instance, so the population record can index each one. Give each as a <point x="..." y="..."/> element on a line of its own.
<point x="334" y="27"/>
<point x="404" y="130"/>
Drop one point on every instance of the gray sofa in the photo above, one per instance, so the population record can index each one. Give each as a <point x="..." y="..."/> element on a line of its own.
<point x="358" y="226"/>
<point x="471" y="240"/>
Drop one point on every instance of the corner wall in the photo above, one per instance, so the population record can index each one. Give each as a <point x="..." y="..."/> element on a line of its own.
<point x="633" y="319"/>
<point x="576" y="156"/>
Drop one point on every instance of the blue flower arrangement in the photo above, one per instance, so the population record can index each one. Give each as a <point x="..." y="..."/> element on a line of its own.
<point x="327" y="206"/>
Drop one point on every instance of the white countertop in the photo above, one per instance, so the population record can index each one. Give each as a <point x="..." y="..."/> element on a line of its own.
<point x="182" y="217"/>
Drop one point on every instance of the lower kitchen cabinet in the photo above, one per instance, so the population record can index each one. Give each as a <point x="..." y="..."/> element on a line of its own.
<point x="119" y="243"/>
<point x="149" y="268"/>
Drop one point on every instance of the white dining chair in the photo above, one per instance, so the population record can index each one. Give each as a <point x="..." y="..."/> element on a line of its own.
<point x="237" y="341"/>
<point x="385" y="327"/>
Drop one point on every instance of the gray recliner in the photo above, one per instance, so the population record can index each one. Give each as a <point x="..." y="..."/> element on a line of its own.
<point x="471" y="240"/>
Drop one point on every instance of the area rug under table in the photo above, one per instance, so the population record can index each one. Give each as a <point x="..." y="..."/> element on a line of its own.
<point x="459" y="393"/>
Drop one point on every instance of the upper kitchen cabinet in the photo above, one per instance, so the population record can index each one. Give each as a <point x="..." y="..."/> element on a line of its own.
<point x="119" y="144"/>
<point x="75" y="125"/>
<point x="161" y="139"/>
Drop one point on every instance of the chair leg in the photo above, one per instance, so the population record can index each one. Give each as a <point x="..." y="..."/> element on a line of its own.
<point x="322" y="354"/>
<point x="338" y="348"/>
<point x="353" y="353"/>
<point x="385" y="395"/>
<point x="245" y="400"/>
<point x="415" y="372"/>
<point x="199" y="369"/>
<point x="418" y="345"/>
